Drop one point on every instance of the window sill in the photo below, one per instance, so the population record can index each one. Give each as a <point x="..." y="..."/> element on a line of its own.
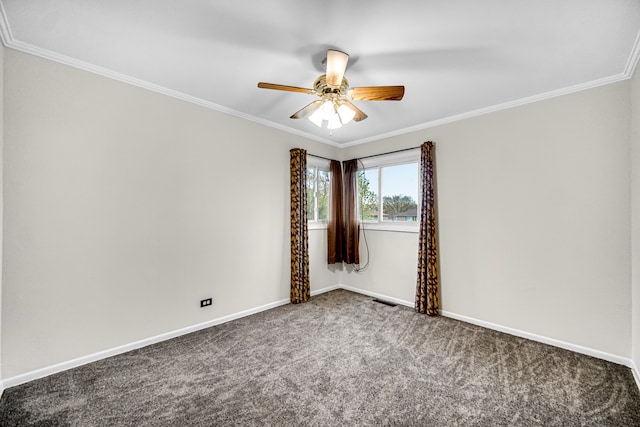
<point x="317" y="225"/>
<point x="399" y="228"/>
<point x="374" y="226"/>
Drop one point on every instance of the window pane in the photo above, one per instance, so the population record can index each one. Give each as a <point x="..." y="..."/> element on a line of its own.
<point x="323" y="195"/>
<point x="368" y="194"/>
<point x="311" y="194"/>
<point x="400" y="192"/>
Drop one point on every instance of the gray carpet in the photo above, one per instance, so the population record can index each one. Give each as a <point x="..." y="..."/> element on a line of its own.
<point x="341" y="359"/>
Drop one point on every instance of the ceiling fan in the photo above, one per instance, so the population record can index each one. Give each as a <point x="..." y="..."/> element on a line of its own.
<point x="334" y="106"/>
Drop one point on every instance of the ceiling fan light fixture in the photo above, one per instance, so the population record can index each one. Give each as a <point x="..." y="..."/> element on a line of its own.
<point x="346" y="114"/>
<point x="316" y="117"/>
<point x="334" y="122"/>
<point x="335" y="115"/>
<point x="328" y="109"/>
<point x="326" y="113"/>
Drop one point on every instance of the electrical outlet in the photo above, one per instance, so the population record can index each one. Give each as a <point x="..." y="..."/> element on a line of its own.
<point x="206" y="302"/>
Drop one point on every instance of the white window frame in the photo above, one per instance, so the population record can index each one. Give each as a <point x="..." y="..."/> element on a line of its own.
<point x="379" y="162"/>
<point x="318" y="164"/>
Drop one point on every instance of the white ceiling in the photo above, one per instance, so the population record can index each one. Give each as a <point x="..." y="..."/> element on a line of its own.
<point x="455" y="58"/>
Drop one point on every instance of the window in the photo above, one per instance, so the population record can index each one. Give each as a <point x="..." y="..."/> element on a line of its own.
<point x="388" y="191"/>
<point x="399" y="190"/>
<point x="318" y="190"/>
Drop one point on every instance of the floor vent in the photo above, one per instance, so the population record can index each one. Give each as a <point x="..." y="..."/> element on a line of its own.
<point x="390" y="304"/>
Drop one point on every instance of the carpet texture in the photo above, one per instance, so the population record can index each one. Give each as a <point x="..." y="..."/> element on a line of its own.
<point x="340" y="359"/>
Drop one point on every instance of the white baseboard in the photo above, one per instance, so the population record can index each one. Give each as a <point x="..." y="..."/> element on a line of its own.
<point x="43" y="372"/>
<point x="511" y="331"/>
<point x="539" y="338"/>
<point x="636" y="373"/>
<point x="74" y="363"/>
<point x="376" y="295"/>
<point x="324" y="290"/>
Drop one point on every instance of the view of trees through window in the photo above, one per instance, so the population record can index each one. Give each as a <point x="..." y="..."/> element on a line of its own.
<point x="394" y="187"/>
<point x="318" y="187"/>
<point x="386" y="193"/>
<point x="368" y="194"/>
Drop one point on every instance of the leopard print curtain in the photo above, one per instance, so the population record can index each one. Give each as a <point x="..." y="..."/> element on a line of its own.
<point x="428" y="280"/>
<point x="300" y="287"/>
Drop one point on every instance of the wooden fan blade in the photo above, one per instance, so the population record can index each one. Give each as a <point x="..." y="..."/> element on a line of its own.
<point x="377" y="93"/>
<point x="307" y="111"/>
<point x="360" y="115"/>
<point x="336" y="65"/>
<point x="284" y="87"/>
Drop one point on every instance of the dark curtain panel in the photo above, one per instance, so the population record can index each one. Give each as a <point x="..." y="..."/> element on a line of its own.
<point x="427" y="286"/>
<point x="351" y="238"/>
<point x="335" y="226"/>
<point x="300" y="288"/>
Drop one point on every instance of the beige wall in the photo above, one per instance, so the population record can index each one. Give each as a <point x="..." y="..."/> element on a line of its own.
<point x="124" y="208"/>
<point x="391" y="271"/>
<point x="1" y="195"/>
<point x="635" y="218"/>
<point x="534" y="220"/>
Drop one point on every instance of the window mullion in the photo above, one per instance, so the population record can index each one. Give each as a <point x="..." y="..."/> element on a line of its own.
<point x="419" y="201"/>
<point x="380" y="206"/>
<point x="315" y="180"/>
<point x="318" y="185"/>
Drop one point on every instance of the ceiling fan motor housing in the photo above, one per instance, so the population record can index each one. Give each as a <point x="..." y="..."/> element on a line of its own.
<point x="323" y="89"/>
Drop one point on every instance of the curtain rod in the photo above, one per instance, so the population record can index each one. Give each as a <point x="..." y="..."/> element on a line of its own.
<point x="373" y="155"/>
<point x="390" y="152"/>
<point x="319" y="157"/>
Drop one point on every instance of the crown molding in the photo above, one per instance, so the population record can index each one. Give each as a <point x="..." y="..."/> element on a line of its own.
<point x="632" y="61"/>
<point x="5" y="31"/>
<point x="10" y="42"/>
<point x="629" y="69"/>
<point x="71" y="62"/>
<point x="494" y="108"/>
